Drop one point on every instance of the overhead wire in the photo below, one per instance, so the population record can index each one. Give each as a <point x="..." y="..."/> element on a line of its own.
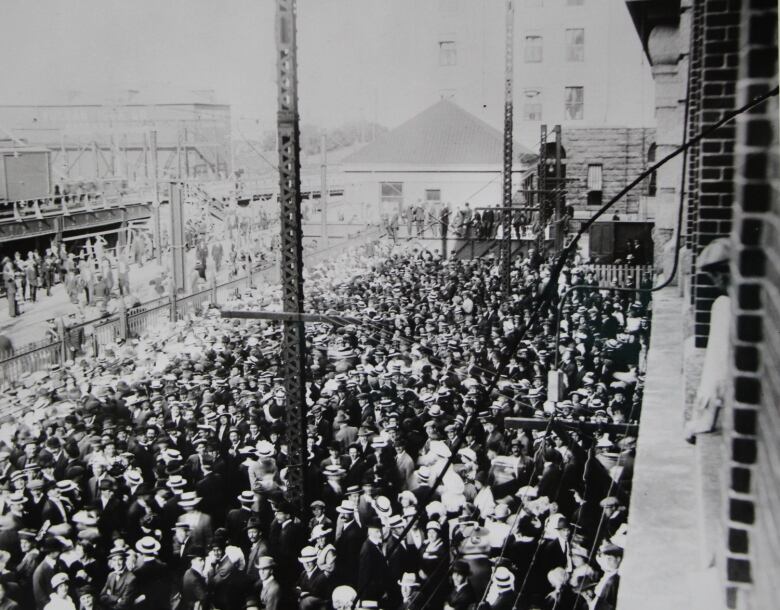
<point x="549" y="290"/>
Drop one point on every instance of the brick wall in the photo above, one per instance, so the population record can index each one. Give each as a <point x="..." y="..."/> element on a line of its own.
<point x="623" y="155"/>
<point x="694" y="121"/>
<point x="715" y="56"/>
<point x="752" y="422"/>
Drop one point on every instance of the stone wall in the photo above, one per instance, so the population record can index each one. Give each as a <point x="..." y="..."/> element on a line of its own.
<point x="621" y="151"/>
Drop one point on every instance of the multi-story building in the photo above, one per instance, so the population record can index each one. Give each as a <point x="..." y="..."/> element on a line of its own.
<point x="576" y="63"/>
<point x="126" y="139"/>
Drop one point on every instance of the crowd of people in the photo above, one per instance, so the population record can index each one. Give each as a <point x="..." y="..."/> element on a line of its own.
<point x="156" y="477"/>
<point x="440" y="219"/>
<point x="90" y="276"/>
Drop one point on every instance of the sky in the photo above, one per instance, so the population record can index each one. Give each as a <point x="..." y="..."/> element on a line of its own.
<point x="354" y="60"/>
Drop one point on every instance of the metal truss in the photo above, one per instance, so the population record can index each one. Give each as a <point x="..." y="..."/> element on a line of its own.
<point x="506" y="245"/>
<point x="293" y="338"/>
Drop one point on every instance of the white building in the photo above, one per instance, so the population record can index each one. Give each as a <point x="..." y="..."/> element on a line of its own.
<point x="577" y="63"/>
<point x="444" y="154"/>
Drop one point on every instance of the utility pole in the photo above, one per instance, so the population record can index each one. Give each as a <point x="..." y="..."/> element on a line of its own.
<point x="324" y="189"/>
<point x="558" y="196"/>
<point x="177" y="234"/>
<point x="507" y="177"/>
<point x="156" y="201"/>
<point x="541" y="173"/>
<point x="293" y="336"/>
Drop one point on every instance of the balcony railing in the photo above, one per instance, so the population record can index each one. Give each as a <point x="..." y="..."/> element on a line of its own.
<point x="65" y="205"/>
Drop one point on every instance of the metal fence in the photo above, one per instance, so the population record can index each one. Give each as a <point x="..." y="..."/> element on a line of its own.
<point x="625" y="276"/>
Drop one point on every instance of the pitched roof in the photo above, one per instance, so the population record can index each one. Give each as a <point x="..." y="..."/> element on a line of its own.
<point x="443" y="134"/>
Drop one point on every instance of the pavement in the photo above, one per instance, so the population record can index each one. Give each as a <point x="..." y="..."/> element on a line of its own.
<point x="664" y="566"/>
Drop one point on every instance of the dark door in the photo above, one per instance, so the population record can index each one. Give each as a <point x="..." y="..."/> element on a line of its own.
<point x="602" y="242"/>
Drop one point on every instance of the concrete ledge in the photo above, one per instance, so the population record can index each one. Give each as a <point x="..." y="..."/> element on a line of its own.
<point x="662" y="566"/>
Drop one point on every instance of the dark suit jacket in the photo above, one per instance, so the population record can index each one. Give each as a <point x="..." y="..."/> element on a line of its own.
<point x="463" y="598"/>
<point x="41" y="582"/>
<point x="118" y="592"/>
<point x="348" y="553"/>
<point x="51" y="513"/>
<point x="152" y="580"/>
<point x="373" y="574"/>
<point x="505" y="601"/>
<point x="285" y="544"/>
<point x="236" y="525"/>
<point x="608" y="598"/>
<point x="193" y="589"/>
<point x="317" y="585"/>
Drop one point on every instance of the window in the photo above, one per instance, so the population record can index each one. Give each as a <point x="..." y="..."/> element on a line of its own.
<point x="575" y="44"/>
<point x="533" y="49"/>
<point x="392" y="193"/>
<point x="575" y="97"/>
<point x="595" y="183"/>
<point x="432" y="195"/>
<point x="532" y="106"/>
<point x="448" y="53"/>
<point x="651" y="187"/>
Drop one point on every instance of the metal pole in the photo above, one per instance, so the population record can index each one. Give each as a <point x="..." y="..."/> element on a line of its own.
<point x="324" y="190"/>
<point x="558" y="197"/>
<point x="293" y="338"/>
<point x="508" y="124"/>
<point x="542" y="180"/>
<point x="156" y="201"/>
<point x="177" y="235"/>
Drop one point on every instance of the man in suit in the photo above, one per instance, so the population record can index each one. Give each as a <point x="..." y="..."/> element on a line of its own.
<point x="34" y="508"/>
<point x="313" y="584"/>
<point x="271" y="596"/>
<point x="318" y="515"/>
<point x="604" y="595"/>
<point x="348" y="545"/>
<point x="224" y="576"/>
<point x="401" y="556"/>
<point x="49" y="566"/>
<point x="199" y="522"/>
<point x="152" y="577"/>
<point x="556" y="553"/>
<point x="194" y="589"/>
<point x="237" y="518"/>
<point x="355" y="468"/>
<point x="373" y="571"/>
<point x="462" y="596"/>
<point x="110" y="509"/>
<point x="118" y="592"/>
<point x="181" y="548"/>
<point x="257" y="548"/>
<point x="211" y="488"/>
<point x="54" y="510"/>
<point x="285" y="539"/>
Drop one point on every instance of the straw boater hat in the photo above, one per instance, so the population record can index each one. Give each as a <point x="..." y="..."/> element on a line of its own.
<point x="308" y="553"/>
<point x="408" y="580"/>
<point x="318" y="532"/>
<point x="147" y="546"/>
<point x="189" y="499"/>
